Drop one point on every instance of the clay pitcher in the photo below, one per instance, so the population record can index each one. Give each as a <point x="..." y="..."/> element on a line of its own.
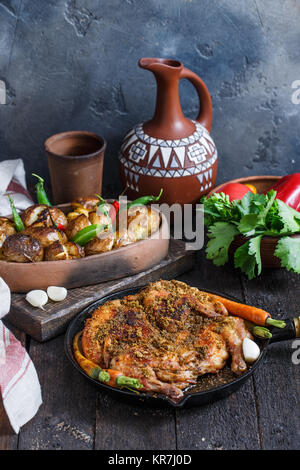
<point x="170" y="151"/>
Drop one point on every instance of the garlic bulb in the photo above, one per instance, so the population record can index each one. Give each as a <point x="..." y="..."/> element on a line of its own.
<point x="37" y="298"/>
<point x="57" y="293"/>
<point x="250" y="350"/>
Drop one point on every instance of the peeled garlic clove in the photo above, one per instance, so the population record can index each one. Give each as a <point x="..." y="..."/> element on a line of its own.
<point x="57" y="293"/>
<point x="250" y="350"/>
<point x="37" y="298"/>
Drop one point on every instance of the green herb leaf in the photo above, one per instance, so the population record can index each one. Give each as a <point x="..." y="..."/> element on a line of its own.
<point x="268" y="203"/>
<point x="254" y="250"/>
<point x="256" y="215"/>
<point x="218" y="208"/>
<point x="273" y="220"/>
<point x="248" y="224"/>
<point x="247" y="257"/>
<point x="289" y="217"/>
<point x="221" y="235"/>
<point x="251" y="203"/>
<point x="288" y="251"/>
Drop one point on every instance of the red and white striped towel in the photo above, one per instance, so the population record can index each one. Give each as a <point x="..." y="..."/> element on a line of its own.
<point x="13" y="182"/>
<point x="19" y="383"/>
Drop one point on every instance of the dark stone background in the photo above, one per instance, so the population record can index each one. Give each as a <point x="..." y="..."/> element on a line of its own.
<point x="72" y="64"/>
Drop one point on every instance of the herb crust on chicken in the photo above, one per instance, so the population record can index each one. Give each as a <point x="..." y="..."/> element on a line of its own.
<point x="166" y="336"/>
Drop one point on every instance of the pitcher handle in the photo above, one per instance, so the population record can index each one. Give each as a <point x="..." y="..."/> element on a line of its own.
<point x="206" y="112"/>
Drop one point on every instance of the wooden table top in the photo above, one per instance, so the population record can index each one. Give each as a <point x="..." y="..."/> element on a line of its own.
<point x="263" y="414"/>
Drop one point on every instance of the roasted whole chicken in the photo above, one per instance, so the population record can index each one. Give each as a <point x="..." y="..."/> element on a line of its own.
<point x="49" y="234"/>
<point x="166" y="336"/>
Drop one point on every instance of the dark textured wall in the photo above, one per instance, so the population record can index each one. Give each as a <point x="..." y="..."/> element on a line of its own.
<point x="72" y="64"/>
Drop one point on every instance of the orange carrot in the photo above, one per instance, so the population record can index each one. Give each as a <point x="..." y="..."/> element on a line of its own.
<point x="247" y="312"/>
<point x="117" y="379"/>
<point x="113" y="374"/>
<point x="112" y="377"/>
<point x="90" y="368"/>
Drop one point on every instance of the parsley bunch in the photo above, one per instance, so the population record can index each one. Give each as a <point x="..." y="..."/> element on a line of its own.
<point x="254" y="216"/>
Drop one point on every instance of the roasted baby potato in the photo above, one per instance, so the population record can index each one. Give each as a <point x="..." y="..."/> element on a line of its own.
<point x="38" y="213"/>
<point x="41" y="215"/>
<point x="58" y="217"/>
<point x="142" y="222"/>
<point x="133" y="210"/>
<point x="97" y="217"/>
<point x="94" y="216"/>
<point x="22" y="248"/>
<point x="7" y="228"/>
<point x="88" y="203"/>
<point x="60" y="251"/>
<point x="122" y="238"/>
<point x="77" y="224"/>
<point x="80" y="210"/>
<point x="46" y="235"/>
<point x="56" y="252"/>
<point x="74" y="250"/>
<point x="100" y="244"/>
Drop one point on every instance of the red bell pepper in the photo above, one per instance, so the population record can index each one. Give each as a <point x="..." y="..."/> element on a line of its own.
<point x="235" y="191"/>
<point x="288" y="190"/>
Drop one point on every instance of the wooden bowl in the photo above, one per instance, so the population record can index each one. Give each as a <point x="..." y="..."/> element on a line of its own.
<point x="124" y="261"/>
<point x="268" y="244"/>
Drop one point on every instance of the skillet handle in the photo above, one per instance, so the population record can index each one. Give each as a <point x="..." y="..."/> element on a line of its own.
<point x="291" y="331"/>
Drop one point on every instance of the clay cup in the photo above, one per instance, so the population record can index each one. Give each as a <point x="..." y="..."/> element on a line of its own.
<point x="75" y="162"/>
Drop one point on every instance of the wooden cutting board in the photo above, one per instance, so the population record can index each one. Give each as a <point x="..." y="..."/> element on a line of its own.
<point x="45" y="324"/>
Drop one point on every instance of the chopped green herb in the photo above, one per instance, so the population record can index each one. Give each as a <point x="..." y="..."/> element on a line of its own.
<point x="254" y="216"/>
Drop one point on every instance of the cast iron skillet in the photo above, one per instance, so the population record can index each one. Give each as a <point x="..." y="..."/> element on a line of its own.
<point x="223" y="384"/>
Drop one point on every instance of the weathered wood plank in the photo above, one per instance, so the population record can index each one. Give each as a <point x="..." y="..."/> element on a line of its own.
<point x="122" y="426"/>
<point x="8" y="439"/>
<point x="45" y="324"/>
<point x="66" y="418"/>
<point x="232" y="422"/>
<point x="228" y="424"/>
<point x="277" y="381"/>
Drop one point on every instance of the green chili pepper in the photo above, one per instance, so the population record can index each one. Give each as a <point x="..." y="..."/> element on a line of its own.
<point x="40" y="191"/>
<point x="101" y="200"/>
<point x="87" y="233"/>
<point x="17" y="219"/>
<point x="144" y="200"/>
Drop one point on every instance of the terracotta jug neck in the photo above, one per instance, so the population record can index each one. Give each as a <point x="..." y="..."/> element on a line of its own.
<point x="168" y="121"/>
